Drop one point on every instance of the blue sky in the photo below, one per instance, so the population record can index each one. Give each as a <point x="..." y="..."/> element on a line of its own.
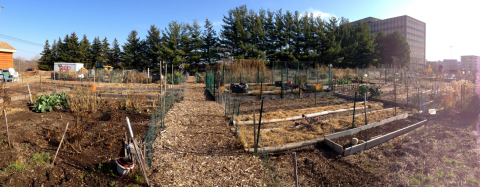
<point x="449" y="23"/>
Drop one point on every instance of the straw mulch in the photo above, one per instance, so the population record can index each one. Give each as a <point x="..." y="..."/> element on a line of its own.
<point x="284" y="135"/>
<point x="298" y="112"/>
<point x="197" y="148"/>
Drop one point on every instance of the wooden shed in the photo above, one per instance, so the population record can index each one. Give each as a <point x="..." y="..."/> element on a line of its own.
<point x="6" y="55"/>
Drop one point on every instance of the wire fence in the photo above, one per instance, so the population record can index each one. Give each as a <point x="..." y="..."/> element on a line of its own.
<point x="164" y="103"/>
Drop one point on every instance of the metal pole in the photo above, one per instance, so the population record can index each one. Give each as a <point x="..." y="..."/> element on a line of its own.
<point x="282" y="84"/>
<point x="254" y="137"/>
<point x="354" y="102"/>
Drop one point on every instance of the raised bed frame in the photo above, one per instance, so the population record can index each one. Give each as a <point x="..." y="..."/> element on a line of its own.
<point x="295" y="145"/>
<point x="373" y="142"/>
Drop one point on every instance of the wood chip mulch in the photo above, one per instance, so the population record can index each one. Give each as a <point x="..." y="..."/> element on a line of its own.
<point x="197" y="148"/>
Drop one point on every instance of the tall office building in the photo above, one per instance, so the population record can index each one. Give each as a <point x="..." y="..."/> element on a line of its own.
<point x="411" y="28"/>
<point x="469" y="62"/>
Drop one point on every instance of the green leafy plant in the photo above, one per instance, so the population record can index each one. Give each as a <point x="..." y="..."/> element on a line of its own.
<point x="344" y="81"/>
<point x="136" y="177"/>
<point x="199" y="77"/>
<point x="41" y="158"/>
<point x="111" y="183"/>
<point x="363" y="89"/>
<point x="375" y="92"/>
<point x="47" y="102"/>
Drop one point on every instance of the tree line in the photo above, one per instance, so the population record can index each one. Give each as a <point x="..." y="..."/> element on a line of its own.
<point x="246" y="34"/>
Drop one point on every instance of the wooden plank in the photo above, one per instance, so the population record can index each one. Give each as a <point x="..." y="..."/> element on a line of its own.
<point x="358" y="129"/>
<point x="384" y="138"/>
<point x="379" y="140"/>
<point x="338" y="148"/>
<point x="288" y="146"/>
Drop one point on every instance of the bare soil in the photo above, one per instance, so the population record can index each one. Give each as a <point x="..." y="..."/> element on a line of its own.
<point x="89" y="161"/>
<point x="371" y="133"/>
<point x="442" y="153"/>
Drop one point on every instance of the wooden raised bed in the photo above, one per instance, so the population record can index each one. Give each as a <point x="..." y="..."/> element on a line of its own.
<point x="294" y="145"/>
<point x="373" y="142"/>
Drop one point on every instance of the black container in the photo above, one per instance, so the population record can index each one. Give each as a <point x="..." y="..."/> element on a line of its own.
<point x="278" y="83"/>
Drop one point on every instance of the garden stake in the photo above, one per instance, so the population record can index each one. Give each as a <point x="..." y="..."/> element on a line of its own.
<point x="61" y="141"/>
<point x="295" y="168"/>
<point x="354" y="102"/>
<point x="395" y="88"/>
<point x="365" y="108"/>
<point x="30" y="93"/>
<point x="259" y="124"/>
<point x="136" y="153"/>
<point x="282" y="83"/>
<point x="254" y="138"/>
<point x="258" y="76"/>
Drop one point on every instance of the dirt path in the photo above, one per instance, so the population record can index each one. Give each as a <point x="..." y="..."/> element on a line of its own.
<point x="197" y="148"/>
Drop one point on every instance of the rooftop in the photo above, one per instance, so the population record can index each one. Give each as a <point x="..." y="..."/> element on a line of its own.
<point x="5" y="47"/>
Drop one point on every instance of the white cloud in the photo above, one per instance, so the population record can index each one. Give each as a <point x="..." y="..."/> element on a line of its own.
<point x="316" y="13"/>
<point x="217" y="23"/>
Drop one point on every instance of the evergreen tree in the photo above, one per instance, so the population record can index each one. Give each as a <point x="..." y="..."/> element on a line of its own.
<point x="194" y="47"/>
<point x="390" y="47"/>
<point x="331" y="46"/>
<point x="96" y="52"/>
<point x="84" y="52"/>
<point x="46" y="62"/>
<point x="172" y="38"/>
<point x="104" y="50"/>
<point x="71" y="53"/>
<point x="210" y="40"/>
<point x="60" y="52"/>
<point x="54" y="51"/>
<point x="152" y="46"/>
<point x="366" y="46"/>
<point x="115" y="53"/>
<point x="133" y="51"/>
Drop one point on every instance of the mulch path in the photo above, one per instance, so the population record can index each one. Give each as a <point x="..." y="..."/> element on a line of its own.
<point x="197" y="148"/>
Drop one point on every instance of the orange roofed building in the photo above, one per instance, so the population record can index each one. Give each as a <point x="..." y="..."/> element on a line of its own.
<point x="6" y="55"/>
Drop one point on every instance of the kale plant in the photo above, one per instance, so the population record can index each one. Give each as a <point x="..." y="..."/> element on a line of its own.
<point x="47" y="102"/>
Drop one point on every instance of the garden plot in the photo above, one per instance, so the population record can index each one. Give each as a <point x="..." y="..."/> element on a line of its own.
<point x="443" y="152"/>
<point x="88" y="153"/>
<point x="292" y="137"/>
<point x="371" y="135"/>
<point x="290" y="104"/>
<point x="286" y="115"/>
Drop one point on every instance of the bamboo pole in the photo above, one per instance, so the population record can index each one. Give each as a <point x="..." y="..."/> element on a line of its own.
<point x="61" y="141"/>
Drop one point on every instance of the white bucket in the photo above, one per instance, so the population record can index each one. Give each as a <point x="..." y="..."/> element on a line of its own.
<point x="123" y="170"/>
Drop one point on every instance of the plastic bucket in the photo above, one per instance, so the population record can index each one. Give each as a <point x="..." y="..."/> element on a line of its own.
<point x="94" y="87"/>
<point x="122" y="168"/>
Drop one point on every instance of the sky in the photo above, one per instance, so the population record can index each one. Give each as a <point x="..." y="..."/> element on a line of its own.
<point x="453" y="26"/>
